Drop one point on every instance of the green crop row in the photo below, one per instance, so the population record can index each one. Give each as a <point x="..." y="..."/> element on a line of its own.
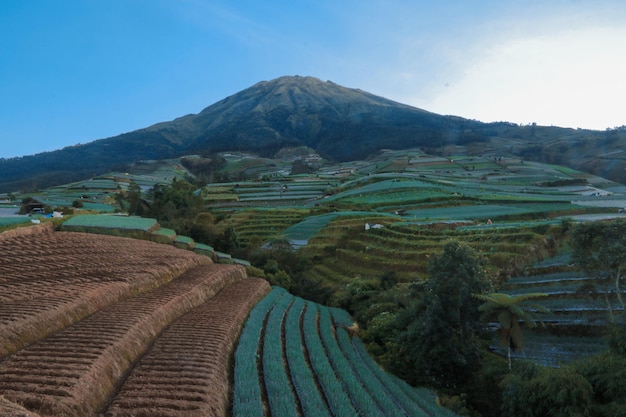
<point x="302" y="376"/>
<point x="280" y="394"/>
<point x="374" y="386"/>
<point x="247" y="399"/>
<point x="415" y="401"/>
<point x="334" y="391"/>
<point x="360" y="397"/>
<point x="110" y="222"/>
<point x="311" y="367"/>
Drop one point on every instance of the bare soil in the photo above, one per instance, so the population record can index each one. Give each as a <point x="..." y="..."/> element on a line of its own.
<point x="88" y="321"/>
<point x="186" y="373"/>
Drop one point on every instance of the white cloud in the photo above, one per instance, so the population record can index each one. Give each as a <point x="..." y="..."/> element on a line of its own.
<point x="572" y="78"/>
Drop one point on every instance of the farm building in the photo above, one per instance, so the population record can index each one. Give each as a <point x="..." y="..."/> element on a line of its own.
<point x="34" y="206"/>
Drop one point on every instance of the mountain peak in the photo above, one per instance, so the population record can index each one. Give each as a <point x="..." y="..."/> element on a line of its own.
<point x="306" y="111"/>
<point x="315" y="87"/>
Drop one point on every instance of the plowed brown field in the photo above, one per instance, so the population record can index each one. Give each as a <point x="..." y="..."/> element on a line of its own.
<point x="186" y="372"/>
<point x="79" y="313"/>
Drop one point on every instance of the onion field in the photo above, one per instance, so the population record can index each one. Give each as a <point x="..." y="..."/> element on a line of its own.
<point x="95" y="221"/>
<point x="296" y="358"/>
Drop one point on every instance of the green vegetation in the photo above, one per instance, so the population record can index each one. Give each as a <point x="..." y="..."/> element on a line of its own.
<point x="599" y="250"/>
<point x="393" y="241"/>
<point x="339" y="377"/>
<point x="14" y="220"/>
<point x="86" y="222"/>
<point x="437" y="332"/>
<point x="511" y="312"/>
<point x="247" y="398"/>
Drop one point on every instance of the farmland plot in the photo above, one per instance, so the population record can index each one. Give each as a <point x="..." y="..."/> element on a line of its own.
<point x="187" y="368"/>
<point x="248" y="398"/>
<point x="95" y="221"/>
<point x="578" y="312"/>
<point x="13" y="220"/>
<point x="78" y="311"/>
<point x="311" y="367"/>
<point x="73" y="371"/>
<point x="49" y="280"/>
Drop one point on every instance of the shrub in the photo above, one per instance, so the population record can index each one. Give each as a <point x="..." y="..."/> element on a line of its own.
<point x="548" y="392"/>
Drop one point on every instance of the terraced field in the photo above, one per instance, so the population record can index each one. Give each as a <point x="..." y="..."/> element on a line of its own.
<point x="97" y="325"/>
<point x="260" y="225"/>
<point x="88" y="322"/>
<point x="404" y="247"/>
<point x="296" y="192"/>
<point x="187" y="369"/>
<point x="311" y="366"/>
<point x="579" y="312"/>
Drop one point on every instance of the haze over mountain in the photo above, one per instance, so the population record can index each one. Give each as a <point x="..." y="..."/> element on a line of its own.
<point x="341" y="124"/>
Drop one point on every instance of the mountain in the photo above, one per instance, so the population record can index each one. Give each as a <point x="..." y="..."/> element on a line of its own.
<point x="340" y="123"/>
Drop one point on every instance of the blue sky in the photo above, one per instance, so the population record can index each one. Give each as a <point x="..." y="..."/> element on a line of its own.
<point x="79" y="70"/>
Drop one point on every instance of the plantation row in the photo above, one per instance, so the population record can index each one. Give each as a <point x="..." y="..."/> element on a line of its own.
<point x="346" y="250"/>
<point x="578" y="312"/>
<point x="261" y="225"/>
<point x="73" y="371"/>
<point x="49" y="280"/>
<point x="269" y="192"/>
<point x="573" y="297"/>
<point x="148" y="336"/>
<point x="310" y="366"/>
<point x="383" y="191"/>
<point x="118" y="222"/>
<point x="187" y="368"/>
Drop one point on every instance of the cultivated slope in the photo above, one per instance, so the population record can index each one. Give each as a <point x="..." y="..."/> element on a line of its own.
<point x="312" y="366"/>
<point x="94" y="325"/>
<point x="78" y="311"/>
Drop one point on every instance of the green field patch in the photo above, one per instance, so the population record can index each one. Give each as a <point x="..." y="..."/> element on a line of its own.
<point x="101" y="207"/>
<point x="329" y="365"/>
<point x="109" y="222"/>
<point x="163" y="231"/>
<point x="385" y="186"/>
<point x="13" y="220"/>
<point x="163" y="235"/>
<point x="184" y="242"/>
<point x="467" y="212"/>
<point x="310" y="226"/>
<point x="216" y="197"/>
<point x="395" y="198"/>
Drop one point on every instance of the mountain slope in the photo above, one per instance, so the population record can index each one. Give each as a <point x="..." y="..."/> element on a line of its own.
<point x="339" y="123"/>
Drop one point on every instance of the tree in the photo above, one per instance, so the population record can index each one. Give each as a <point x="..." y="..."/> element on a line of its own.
<point x="229" y="240"/>
<point x="437" y="338"/>
<point x="510" y="312"/>
<point x="546" y="392"/>
<point x="133" y="195"/>
<point x="599" y="248"/>
<point x="175" y="201"/>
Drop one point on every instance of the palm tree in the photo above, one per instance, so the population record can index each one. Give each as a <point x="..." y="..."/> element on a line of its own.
<point x="511" y="310"/>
